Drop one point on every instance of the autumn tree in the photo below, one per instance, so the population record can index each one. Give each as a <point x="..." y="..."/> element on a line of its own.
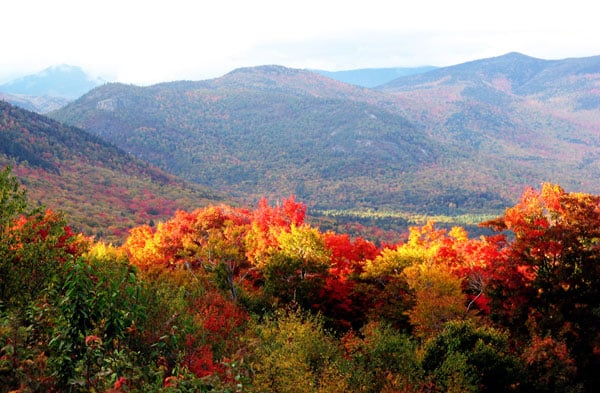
<point x="438" y="298"/>
<point x="215" y="244"/>
<point x="342" y="300"/>
<point x="297" y="267"/>
<point x="550" y="279"/>
<point x="266" y="224"/>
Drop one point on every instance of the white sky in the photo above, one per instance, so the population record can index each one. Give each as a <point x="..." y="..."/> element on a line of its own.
<point x="144" y="42"/>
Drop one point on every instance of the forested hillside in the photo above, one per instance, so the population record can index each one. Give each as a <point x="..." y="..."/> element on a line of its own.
<point x="103" y="190"/>
<point x="461" y="139"/>
<point x="233" y="299"/>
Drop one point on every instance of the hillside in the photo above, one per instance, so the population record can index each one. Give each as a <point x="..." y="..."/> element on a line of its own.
<point x="103" y="190"/>
<point x="39" y="104"/>
<point x="454" y="140"/>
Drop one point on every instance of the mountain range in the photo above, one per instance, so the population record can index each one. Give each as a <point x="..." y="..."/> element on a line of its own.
<point x="49" y="89"/>
<point x="54" y="87"/>
<point x="452" y="140"/>
<point x="103" y="190"/>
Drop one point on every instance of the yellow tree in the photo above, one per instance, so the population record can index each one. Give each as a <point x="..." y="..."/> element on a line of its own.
<point x="438" y="298"/>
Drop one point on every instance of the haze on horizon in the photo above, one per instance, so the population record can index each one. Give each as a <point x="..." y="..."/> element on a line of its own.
<point x="145" y="42"/>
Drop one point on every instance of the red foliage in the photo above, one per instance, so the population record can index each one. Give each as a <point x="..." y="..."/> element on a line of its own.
<point x="347" y="257"/>
<point x="287" y="214"/>
<point x="199" y="358"/>
<point x="219" y="316"/>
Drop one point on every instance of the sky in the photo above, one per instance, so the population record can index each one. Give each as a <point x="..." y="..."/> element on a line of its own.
<point x="146" y="42"/>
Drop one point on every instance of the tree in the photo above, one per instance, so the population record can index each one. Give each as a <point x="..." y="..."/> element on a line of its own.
<point x="32" y="253"/>
<point x="438" y="298"/>
<point x="465" y="358"/>
<point x="382" y="360"/>
<point x="297" y="267"/>
<point x="294" y="353"/>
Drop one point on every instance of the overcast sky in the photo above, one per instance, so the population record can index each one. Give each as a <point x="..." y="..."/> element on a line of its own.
<point x="144" y="42"/>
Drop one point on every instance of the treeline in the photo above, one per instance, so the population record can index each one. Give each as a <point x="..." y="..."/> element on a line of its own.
<point x="228" y="299"/>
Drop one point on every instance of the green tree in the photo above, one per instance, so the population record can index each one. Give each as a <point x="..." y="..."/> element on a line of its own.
<point x="13" y="198"/>
<point x="33" y="245"/>
<point x="381" y="359"/>
<point x="465" y="358"/>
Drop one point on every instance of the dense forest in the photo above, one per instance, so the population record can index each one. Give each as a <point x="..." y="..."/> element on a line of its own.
<point x="233" y="299"/>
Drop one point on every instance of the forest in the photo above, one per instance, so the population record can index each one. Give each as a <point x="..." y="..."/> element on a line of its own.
<point x="233" y="299"/>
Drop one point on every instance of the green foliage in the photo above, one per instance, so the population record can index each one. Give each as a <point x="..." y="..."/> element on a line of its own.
<point x="13" y="198"/>
<point x="382" y="359"/>
<point x="464" y="357"/>
<point x="32" y="253"/>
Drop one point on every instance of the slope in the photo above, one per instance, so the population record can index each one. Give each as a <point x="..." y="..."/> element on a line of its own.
<point x="103" y="190"/>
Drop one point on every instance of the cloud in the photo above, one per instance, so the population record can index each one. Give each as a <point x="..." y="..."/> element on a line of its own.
<point x="150" y="41"/>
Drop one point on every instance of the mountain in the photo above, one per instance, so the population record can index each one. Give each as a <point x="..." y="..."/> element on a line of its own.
<point x="372" y="77"/>
<point x="62" y="81"/>
<point x="49" y="89"/>
<point x="541" y="115"/>
<point x="103" y="190"/>
<point x="460" y="139"/>
<point x="270" y="131"/>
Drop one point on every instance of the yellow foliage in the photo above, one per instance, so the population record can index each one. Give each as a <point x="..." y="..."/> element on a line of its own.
<point x="438" y="298"/>
<point x="105" y="252"/>
<point x="305" y="243"/>
<point x="422" y="247"/>
<point x="293" y="354"/>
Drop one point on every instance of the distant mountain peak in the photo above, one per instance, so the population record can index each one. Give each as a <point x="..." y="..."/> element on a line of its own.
<point x="63" y="80"/>
<point x="372" y="77"/>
